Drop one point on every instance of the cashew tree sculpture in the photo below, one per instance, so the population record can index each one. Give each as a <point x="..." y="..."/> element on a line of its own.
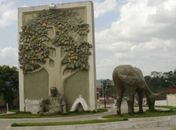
<point x="128" y="81"/>
<point x="55" y="40"/>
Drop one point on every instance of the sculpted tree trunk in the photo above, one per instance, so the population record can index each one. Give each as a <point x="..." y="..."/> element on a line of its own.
<point x="56" y="70"/>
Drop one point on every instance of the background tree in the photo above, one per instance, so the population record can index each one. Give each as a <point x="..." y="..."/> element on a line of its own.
<point x="9" y="85"/>
<point x="55" y="40"/>
<point x="165" y="81"/>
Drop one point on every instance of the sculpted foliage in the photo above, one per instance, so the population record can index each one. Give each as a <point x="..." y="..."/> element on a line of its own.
<point x="49" y="30"/>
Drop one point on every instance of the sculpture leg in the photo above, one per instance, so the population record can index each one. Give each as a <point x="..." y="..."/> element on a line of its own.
<point x="119" y="101"/>
<point x="133" y="104"/>
<point x="120" y="93"/>
<point x="140" y="101"/>
<point x="129" y="92"/>
<point x="130" y="105"/>
<point x="130" y="99"/>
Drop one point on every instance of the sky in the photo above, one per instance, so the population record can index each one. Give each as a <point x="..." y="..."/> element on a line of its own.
<point x="137" y="32"/>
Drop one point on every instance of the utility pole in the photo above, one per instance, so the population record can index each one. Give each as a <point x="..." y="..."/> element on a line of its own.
<point x="104" y="92"/>
<point x="105" y="84"/>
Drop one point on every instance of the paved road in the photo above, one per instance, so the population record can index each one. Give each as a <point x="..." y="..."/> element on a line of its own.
<point x="7" y="122"/>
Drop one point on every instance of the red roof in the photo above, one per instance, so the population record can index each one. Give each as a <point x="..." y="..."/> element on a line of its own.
<point x="170" y="90"/>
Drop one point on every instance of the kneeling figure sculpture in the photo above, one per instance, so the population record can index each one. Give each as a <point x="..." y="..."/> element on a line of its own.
<point x="54" y="103"/>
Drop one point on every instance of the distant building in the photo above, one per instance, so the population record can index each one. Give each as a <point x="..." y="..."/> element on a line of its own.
<point x="168" y="97"/>
<point x="171" y="99"/>
<point x="100" y="88"/>
<point x="167" y="91"/>
<point x="171" y="96"/>
<point x="171" y="90"/>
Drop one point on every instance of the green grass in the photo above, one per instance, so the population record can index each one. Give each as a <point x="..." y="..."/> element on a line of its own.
<point x="109" y="118"/>
<point x="68" y="123"/>
<point x="29" y="115"/>
<point x="170" y="111"/>
<point x="169" y="107"/>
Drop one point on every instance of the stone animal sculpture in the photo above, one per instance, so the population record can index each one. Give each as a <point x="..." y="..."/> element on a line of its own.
<point x="128" y="81"/>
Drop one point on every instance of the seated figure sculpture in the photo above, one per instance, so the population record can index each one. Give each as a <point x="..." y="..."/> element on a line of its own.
<point x="54" y="103"/>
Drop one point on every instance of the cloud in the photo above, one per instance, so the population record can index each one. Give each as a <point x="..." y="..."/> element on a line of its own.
<point x="102" y="8"/>
<point x="8" y="56"/>
<point x="144" y="36"/>
<point x="8" y="13"/>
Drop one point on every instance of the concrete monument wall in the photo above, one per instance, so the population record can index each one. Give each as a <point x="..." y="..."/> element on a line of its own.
<point x="56" y="49"/>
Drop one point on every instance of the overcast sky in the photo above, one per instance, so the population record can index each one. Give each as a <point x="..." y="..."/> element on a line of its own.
<point x="137" y="32"/>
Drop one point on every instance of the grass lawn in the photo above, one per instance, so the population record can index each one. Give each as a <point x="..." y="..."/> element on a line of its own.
<point x="145" y="114"/>
<point x="69" y="123"/>
<point x="109" y="118"/>
<point x="171" y="111"/>
<point x="29" y="115"/>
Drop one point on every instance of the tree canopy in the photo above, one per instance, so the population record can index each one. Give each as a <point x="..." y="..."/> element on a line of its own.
<point x="9" y="84"/>
<point x="165" y="80"/>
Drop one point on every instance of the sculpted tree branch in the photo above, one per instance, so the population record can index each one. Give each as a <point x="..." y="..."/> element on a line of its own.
<point x="68" y="75"/>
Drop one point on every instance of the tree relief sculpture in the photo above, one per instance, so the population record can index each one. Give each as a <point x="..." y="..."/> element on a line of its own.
<point x="55" y="40"/>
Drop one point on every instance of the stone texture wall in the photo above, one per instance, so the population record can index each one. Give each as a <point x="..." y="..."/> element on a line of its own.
<point x="74" y="89"/>
<point x="35" y="82"/>
<point x="36" y="85"/>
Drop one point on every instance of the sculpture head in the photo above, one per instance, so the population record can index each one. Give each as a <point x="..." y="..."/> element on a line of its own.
<point x="53" y="92"/>
<point x="150" y="97"/>
<point x="151" y="102"/>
